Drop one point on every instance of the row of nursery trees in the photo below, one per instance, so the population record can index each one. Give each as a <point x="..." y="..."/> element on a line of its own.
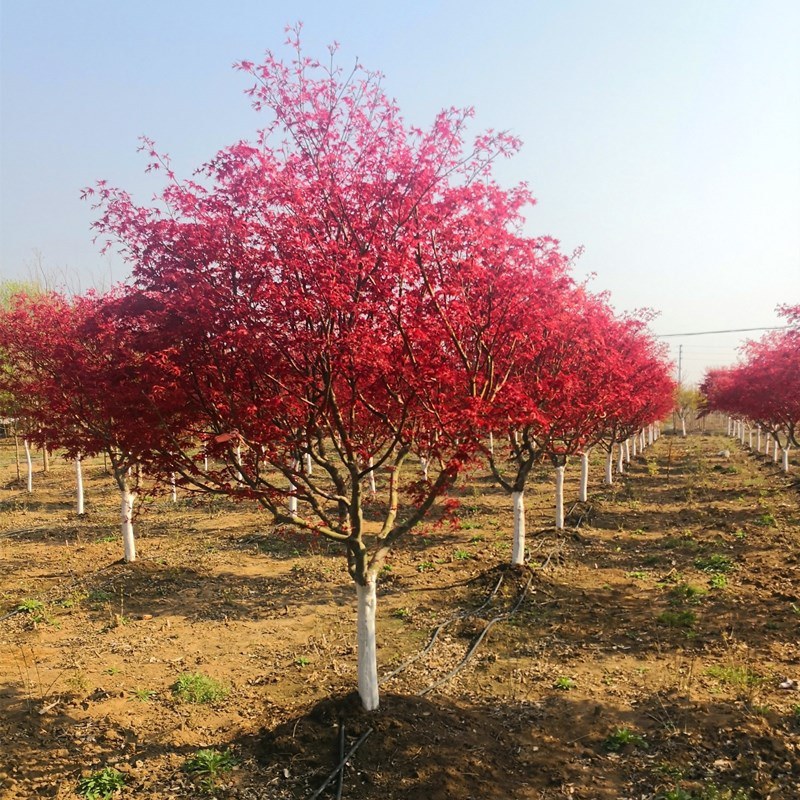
<point x="334" y="319"/>
<point x="761" y="394"/>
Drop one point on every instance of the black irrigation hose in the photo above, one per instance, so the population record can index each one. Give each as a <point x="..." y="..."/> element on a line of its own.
<point x="340" y="779"/>
<point x="10" y="534"/>
<point x="342" y="763"/>
<point x="478" y="640"/>
<point x="439" y="628"/>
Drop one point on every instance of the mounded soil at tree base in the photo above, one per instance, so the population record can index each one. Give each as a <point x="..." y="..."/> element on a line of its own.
<point x="651" y="650"/>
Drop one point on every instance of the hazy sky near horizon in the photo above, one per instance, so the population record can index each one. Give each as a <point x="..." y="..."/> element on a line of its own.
<point x="663" y="138"/>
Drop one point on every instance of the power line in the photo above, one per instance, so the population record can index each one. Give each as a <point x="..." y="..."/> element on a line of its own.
<point x="732" y="330"/>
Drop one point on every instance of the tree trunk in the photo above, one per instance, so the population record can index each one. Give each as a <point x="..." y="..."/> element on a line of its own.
<point x="205" y="463"/>
<point x="79" y="486"/>
<point x="775" y="451"/>
<point x="785" y="459"/>
<point x="609" y="477"/>
<point x="491" y="443"/>
<point x="518" y="550"/>
<point x="635" y="444"/>
<point x="620" y="459"/>
<point x="683" y="427"/>
<point x="758" y="439"/>
<point x="583" y="492"/>
<point x="628" y="451"/>
<point x="424" y="463"/>
<point x="367" y="657"/>
<point x="126" y="520"/>
<point x="27" y="445"/>
<point x="560" y="497"/>
<point x="309" y="465"/>
<point x="293" y="488"/>
<point x="649" y="434"/>
<point x="16" y="454"/>
<point x="372" y="488"/>
<point x="173" y="487"/>
<point x="45" y="459"/>
<point x="750" y="438"/>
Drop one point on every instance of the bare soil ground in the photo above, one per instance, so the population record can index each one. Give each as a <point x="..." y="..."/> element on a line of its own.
<point x="641" y="656"/>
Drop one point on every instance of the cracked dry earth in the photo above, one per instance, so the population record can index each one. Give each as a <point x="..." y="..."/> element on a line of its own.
<point x="653" y="652"/>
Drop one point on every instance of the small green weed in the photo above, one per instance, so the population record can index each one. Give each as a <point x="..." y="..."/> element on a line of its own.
<point x="144" y="695"/>
<point x="194" y="687"/>
<point x="101" y="785"/>
<point x="401" y="613"/>
<point x="638" y="575"/>
<point x="709" y="791"/>
<point x="739" y="677"/>
<point x="425" y="566"/>
<point x="718" y="581"/>
<point x="302" y="661"/>
<point x="29" y="606"/>
<point x="462" y="555"/>
<point x="564" y="684"/>
<point x="677" y="619"/>
<point x="210" y="765"/>
<point x="767" y="520"/>
<point x="621" y="737"/>
<point x="686" y="593"/>
<point x="716" y="562"/>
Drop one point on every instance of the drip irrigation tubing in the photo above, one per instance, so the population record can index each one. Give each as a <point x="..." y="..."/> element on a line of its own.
<point x="342" y="763"/>
<point x="439" y="628"/>
<point x="474" y="646"/>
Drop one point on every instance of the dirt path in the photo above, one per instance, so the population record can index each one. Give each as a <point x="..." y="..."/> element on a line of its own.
<point x="645" y="659"/>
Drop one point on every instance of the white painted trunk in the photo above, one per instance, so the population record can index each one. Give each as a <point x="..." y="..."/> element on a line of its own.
<point x="583" y="492"/>
<point x="620" y="459"/>
<point x="635" y="445"/>
<point x="126" y="520"/>
<point x="518" y="549"/>
<point x="775" y="452"/>
<point x="750" y="438"/>
<point x="373" y="489"/>
<point x="173" y="487"/>
<point x="491" y="443"/>
<point x="642" y="442"/>
<point x="609" y="477"/>
<point x="683" y="427"/>
<point x="367" y="656"/>
<point x="29" y="461"/>
<point x="730" y="426"/>
<point x="649" y="434"/>
<point x="293" y="488"/>
<point x="205" y="463"/>
<point x="766" y="443"/>
<point x="560" y="498"/>
<point x="424" y="463"/>
<point x="309" y="465"/>
<point x="79" y="487"/>
<point x="786" y="459"/>
<point x="758" y="439"/>
<point x="741" y="432"/>
<point x="628" y="451"/>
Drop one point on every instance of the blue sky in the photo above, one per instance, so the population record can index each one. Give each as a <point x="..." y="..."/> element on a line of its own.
<point x="663" y="137"/>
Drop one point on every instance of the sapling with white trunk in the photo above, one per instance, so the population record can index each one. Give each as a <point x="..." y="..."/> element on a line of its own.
<point x="560" y="467"/>
<point x="29" y="462"/>
<point x="608" y="479"/>
<point x="583" y="491"/>
<point x="79" y="487"/>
